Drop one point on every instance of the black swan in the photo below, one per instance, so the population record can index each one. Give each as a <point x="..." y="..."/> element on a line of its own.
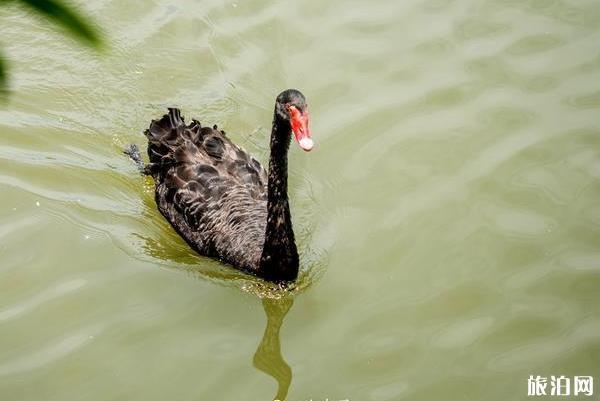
<point x="219" y="198"/>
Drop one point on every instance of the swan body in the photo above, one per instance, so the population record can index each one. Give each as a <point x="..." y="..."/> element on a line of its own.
<point x="219" y="198"/>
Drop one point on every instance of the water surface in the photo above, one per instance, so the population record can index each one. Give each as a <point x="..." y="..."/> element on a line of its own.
<point x="448" y="218"/>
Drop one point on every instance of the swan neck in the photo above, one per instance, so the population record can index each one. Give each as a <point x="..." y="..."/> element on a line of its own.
<point x="279" y="260"/>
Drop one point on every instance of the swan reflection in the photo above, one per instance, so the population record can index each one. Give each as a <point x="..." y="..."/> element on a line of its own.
<point x="277" y="300"/>
<point x="267" y="357"/>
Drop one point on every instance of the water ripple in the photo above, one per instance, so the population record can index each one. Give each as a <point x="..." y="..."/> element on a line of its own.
<point x="40" y="298"/>
<point x="447" y="220"/>
<point x="52" y="352"/>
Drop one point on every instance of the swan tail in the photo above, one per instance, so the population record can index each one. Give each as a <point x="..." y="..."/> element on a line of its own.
<point x="164" y="136"/>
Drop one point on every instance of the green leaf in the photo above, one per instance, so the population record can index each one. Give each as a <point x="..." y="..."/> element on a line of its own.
<point x="3" y="80"/>
<point x="68" y="18"/>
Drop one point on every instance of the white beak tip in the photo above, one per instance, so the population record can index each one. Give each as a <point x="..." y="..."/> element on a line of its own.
<point x="306" y="144"/>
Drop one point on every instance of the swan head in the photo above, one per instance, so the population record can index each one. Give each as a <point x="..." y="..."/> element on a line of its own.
<point x="291" y="106"/>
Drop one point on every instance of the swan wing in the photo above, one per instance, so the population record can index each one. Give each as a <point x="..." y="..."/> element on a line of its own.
<point x="209" y="189"/>
<point x="171" y="141"/>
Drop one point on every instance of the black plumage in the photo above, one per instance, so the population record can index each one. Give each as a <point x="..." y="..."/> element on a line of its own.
<point x="219" y="198"/>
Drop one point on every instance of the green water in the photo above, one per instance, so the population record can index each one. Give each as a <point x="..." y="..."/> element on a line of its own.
<point x="448" y="218"/>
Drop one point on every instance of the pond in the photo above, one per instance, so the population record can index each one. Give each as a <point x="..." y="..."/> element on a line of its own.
<point x="448" y="218"/>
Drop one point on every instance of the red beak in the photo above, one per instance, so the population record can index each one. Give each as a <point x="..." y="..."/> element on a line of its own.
<point x="299" y="123"/>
